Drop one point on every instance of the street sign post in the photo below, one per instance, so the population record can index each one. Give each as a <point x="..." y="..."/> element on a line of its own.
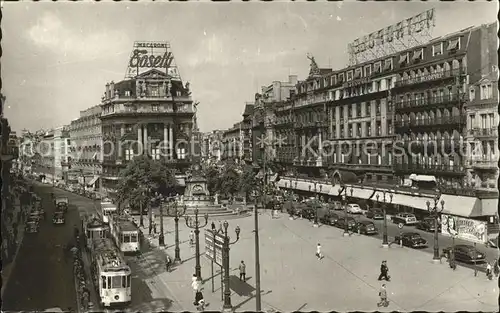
<point x="214" y="243"/>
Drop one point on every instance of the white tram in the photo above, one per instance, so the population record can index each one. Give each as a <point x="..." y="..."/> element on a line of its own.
<point x="107" y="208"/>
<point x="110" y="273"/>
<point x="125" y="233"/>
<point x="94" y="228"/>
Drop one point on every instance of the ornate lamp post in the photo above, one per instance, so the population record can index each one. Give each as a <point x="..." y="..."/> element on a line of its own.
<point x="227" y="307"/>
<point x="316" y="203"/>
<point x="161" y="239"/>
<point x="344" y="202"/>
<point x="434" y="211"/>
<point x="194" y="223"/>
<point x="141" y="220"/>
<point x="385" y="241"/>
<point x="174" y="211"/>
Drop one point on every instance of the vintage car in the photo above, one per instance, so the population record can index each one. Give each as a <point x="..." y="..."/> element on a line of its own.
<point x="329" y="219"/>
<point x="375" y="214"/>
<point x="366" y="228"/>
<point x="465" y="253"/>
<point x="412" y="240"/>
<point x="58" y="218"/>
<point x="405" y="219"/>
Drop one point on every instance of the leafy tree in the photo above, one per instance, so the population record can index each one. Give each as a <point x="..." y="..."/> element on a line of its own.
<point x="142" y="179"/>
<point x="212" y="174"/>
<point x="248" y="181"/>
<point x="230" y="180"/>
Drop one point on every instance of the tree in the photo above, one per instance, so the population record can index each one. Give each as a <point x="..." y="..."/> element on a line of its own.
<point x="248" y="181"/>
<point x="142" y="179"/>
<point x="212" y="174"/>
<point x="230" y="180"/>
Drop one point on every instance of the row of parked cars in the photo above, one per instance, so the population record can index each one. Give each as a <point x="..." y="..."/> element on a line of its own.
<point x="36" y="215"/>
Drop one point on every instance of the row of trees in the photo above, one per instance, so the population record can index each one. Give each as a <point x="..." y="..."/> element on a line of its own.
<point x="232" y="180"/>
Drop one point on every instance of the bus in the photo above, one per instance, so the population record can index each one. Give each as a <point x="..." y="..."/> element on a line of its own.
<point x="125" y="234"/>
<point x="110" y="273"/>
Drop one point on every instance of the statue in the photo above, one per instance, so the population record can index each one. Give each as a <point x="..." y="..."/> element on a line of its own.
<point x="169" y="87"/>
<point x="187" y="87"/>
<point x="314" y="69"/>
<point x="216" y="199"/>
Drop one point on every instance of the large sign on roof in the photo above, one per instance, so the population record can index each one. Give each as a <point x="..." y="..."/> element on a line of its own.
<point x="147" y="55"/>
<point x="406" y="34"/>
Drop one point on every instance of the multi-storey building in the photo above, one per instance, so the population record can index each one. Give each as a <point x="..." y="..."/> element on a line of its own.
<point x="61" y="152"/>
<point x="430" y="97"/>
<point x="482" y="111"/>
<point x="212" y="146"/>
<point x="232" y="143"/>
<point x="43" y="161"/>
<point x="85" y="159"/>
<point x="264" y="119"/>
<point x="150" y="114"/>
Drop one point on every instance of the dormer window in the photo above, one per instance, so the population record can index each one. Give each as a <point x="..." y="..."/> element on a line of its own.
<point x="388" y="66"/>
<point x="349" y="75"/>
<point x="127" y="93"/>
<point x="178" y="93"/>
<point x="341" y="77"/>
<point x="437" y="49"/>
<point x="454" y="44"/>
<point x="368" y="70"/>
<point x="418" y="55"/>
<point x="403" y="59"/>
<point x="486" y="91"/>
<point x="377" y="66"/>
<point x="358" y="73"/>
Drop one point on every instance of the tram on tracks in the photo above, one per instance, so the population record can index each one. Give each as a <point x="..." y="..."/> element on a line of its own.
<point x="94" y="228"/>
<point x="125" y="233"/>
<point x="106" y="209"/>
<point x="110" y="273"/>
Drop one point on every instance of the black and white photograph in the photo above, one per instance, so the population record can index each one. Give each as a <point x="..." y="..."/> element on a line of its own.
<point x="249" y="156"/>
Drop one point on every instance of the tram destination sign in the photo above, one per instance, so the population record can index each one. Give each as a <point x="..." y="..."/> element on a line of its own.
<point x="213" y="246"/>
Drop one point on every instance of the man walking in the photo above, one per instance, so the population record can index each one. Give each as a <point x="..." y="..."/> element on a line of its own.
<point x="318" y="252"/>
<point x="383" y="296"/>
<point x="242" y="268"/>
<point x="383" y="272"/>
<point x="169" y="263"/>
<point x="213" y="226"/>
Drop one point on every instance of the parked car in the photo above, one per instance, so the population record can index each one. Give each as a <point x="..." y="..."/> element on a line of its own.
<point x="354" y="208"/>
<point x="426" y="224"/>
<point x="309" y="213"/>
<point x="58" y="218"/>
<point x="466" y="253"/>
<point x="405" y="219"/>
<point x="412" y="240"/>
<point x="337" y="205"/>
<point x="367" y="228"/>
<point x="32" y="226"/>
<point x="329" y="219"/>
<point x="38" y="213"/>
<point x="351" y="223"/>
<point x="375" y="214"/>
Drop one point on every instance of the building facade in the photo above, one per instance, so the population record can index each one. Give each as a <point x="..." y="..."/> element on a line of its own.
<point x="85" y="137"/>
<point x="212" y="148"/>
<point x="151" y="114"/>
<point x="61" y="152"/>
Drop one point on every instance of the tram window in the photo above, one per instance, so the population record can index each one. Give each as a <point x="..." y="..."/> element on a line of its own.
<point x="109" y="282"/>
<point x="133" y="238"/>
<point x="103" y="278"/>
<point x="116" y="282"/>
<point x="124" y="281"/>
<point x="128" y="280"/>
<point x="126" y="238"/>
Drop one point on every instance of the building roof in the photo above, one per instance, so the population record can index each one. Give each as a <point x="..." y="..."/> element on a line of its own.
<point x="248" y="109"/>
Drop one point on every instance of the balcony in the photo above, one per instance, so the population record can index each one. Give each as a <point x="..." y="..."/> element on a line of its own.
<point x="484" y="162"/>
<point x="430" y="123"/>
<point x="428" y="103"/>
<point x="127" y="109"/>
<point x="430" y="169"/>
<point x="483" y="132"/>
<point x="437" y="146"/>
<point x="431" y="78"/>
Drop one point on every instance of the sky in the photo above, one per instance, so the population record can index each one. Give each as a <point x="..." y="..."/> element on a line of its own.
<point x="57" y="57"/>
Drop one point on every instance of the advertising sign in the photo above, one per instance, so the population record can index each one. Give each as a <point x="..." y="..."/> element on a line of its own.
<point x="464" y="228"/>
<point x="151" y="55"/>
<point x="213" y="250"/>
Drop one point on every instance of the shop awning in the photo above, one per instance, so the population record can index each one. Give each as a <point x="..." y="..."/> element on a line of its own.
<point x="334" y="190"/>
<point x="461" y="206"/>
<point x="359" y="193"/>
<point x="489" y="207"/>
<point x="93" y="181"/>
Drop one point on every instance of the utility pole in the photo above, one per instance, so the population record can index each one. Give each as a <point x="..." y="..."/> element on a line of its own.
<point x="256" y="219"/>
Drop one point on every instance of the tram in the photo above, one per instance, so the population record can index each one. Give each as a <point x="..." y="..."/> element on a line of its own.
<point x="94" y="228"/>
<point x="111" y="274"/>
<point x="125" y="233"/>
<point x="106" y="209"/>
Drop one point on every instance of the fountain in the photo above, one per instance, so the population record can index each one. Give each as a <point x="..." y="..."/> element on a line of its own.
<point x="197" y="196"/>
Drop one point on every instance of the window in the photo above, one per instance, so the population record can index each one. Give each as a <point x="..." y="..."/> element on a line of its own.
<point x="388" y="65"/>
<point x="358" y="131"/>
<point x="437" y="49"/>
<point x="377" y="66"/>
<point x="389" y="127"/>
<point x="369" y="129"/>
<point x="378" y="106"/>
<point x="178" y="93"/>
<point x="472" y="121"/>
<point x="486" y="92"/>
<point x="418" y="55"/>
<point x="103" y="282"/>
<point x="334" y="80"/>
<point x="403" y="58"/>
<point x="341" y="113"/>
<point x="350" y="131"/>
<point x="358" y="110"/>
<point x="125" y="238"/>
<point x="379" y="129"/>
<point x="368" y="109"/>
<point x="368" y="70"/>
<point x="116" y="281"/>
<point x="153" y="91"/>
<point x="472" y="94"/>
<point x="155" y="153"/>
<point x="492" y="120"/>
<point x="351" y="111"/>
<point x="349" y="75"/>
<point x="155" y="107"/>
<point x="358" y="73"/>
<point x="454" y="44"/>
<point x="181" y="153"/>
<point x="342" y="131"/>
<point x="341" y="77"/>
<point x="127" y="93"/>
<point x="484" y="119"/>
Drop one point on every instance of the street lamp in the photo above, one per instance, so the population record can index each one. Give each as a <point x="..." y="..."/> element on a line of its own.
<point x="344" y="202"/>
<point x="385" y="241"/>
<point x="161" y="239"/>
<point x="196" y="225"/>
<point x="434" y="211"/>
<point x="141" y="220"/>
<point x="227" y="307"/>
<point x="316" y="202"/>
<point x="176" y="213"/>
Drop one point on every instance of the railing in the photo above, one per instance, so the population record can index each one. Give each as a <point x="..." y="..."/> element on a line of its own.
<point x="437" y="121"/>
<point x="484" y="162"/>
<point x="459" y="169"/>
<point x="415" y="103"/>
<point x="432" y="77"/>
<point x="483" y="132"/>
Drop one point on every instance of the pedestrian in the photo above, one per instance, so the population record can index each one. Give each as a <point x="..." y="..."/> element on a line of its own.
<point x="496" y="268"/>
<point x="318" y="252"/>
<point x="242" y="268"/>
<point x="383" y="272"/>
<point x="213" y="226"/>
<point x="169" y="263"/>
<point x="383" y="296"/>
<point x="489" y="273"/>
<point x="220" y="226"/>
<point x="154" y="228"/>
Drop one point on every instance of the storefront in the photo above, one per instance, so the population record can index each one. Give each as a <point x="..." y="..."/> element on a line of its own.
<point x="464" y="228"/>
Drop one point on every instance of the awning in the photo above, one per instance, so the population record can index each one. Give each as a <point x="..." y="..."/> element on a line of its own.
<point x="461" y="206"/>
<point x="402" y="58"/>
<point x="423" y="178"/>
<point x="111" y="177"/>
<point x="92" y="182"/>
<point x="489" y="207"/>
<point x="417" y="54"/>
<point x="402" y="199"/>
<point x="334" y="190"/>
<point x="453" y="44"/>
<point x="359" y="193"/>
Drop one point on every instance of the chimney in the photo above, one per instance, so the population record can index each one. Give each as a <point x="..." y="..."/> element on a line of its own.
<point x="292" y="79"/>
<point x="112" y="89"/>
<point x="107" y="91"/>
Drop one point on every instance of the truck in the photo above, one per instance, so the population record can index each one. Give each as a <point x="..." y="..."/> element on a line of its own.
<point x="62" y="203"/>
